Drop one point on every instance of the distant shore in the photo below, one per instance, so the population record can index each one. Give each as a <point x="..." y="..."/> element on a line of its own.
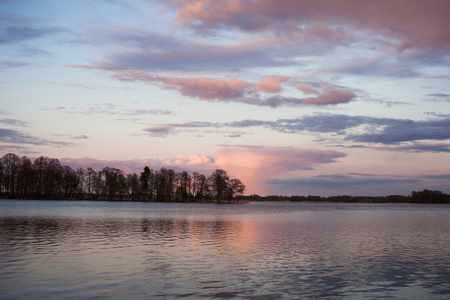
<point x="425" y="196"/>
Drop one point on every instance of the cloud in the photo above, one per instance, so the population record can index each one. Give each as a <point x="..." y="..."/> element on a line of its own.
<point x="159" y="130"/>
<point x="150" y="51"/>
<point x="241" y="91"/>
<point x="193" y="160"/>
<point x="199" y="87"/>
<point x="320" y="123"/>
<point x="146" y="50"/>
<point x="16" y="29"/>
<point x="382" y="64"/>
<point x="208" y="88"/>
<point x="413" y="147"/>
<point x="30" y="51"/>
<point x="417" y="26"/>
<point x="17" y="137"/>
<point x="79" y="137"/>
<point x="439" y="176"/>
<point x="368" y="129"/>
<point x="358" y="184"/>
<point x="386" y="38"/>
<point x="250" y="35"/>
<point x="14" y="122"/>
<point x="349" y="184"/>
<point x="9" y="64"/>
<point x="329" y="96"/>
<point x="440" y="97"/>
<point x="418" y="147"/>
<point x="396" y="131"/>
<point x="168" y="129"/>
<point x="109" y="109"/>
<point x="16" y="149"/>
<point x="272" y="84"/>
<point x="256" y="165"/>
<point x="361" y="129"/>
<point x="78" y="85"/>
<point x="307" y="88"/>
<point x="342" y="181"/>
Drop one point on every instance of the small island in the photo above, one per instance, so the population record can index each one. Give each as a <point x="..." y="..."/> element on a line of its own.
<point x="46" y="178"/>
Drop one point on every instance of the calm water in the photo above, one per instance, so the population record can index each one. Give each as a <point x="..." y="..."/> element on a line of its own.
<point x="69" y="249"/>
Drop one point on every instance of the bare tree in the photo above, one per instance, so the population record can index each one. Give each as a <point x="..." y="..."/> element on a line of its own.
<point x="219" y="182"/>
<point x="10" y="163"/>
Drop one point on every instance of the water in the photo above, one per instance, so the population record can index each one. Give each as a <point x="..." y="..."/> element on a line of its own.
<point x="113" y="250"/>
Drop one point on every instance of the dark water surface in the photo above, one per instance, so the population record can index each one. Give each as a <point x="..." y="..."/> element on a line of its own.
<point x="113" y="250"/>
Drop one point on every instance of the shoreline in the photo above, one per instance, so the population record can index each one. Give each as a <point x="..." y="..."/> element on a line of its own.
<point x="240" y="200"/>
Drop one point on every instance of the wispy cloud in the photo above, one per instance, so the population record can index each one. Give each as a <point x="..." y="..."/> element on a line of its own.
<point x="109" y="109"/>
<point x="342" y="181"/>
<point x="17" y="137"/>
<point x="159" y="130"/>
<point x="439" y="97"/>
<point x="413" y="147"/>
<point x="17" y="28"/>
<point x="17" y="149"/>
<point x="9" y="64"/>
<point x="361" y="129"/>
<point x="14" y="122"/>
<point x="79" y="137"/>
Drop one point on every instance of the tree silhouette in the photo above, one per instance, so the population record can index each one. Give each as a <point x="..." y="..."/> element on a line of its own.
<point x="219" y="182"/>
<point x="46" y="178"/>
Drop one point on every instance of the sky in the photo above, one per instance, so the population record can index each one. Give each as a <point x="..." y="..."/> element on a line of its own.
<point x="292" y="97"/>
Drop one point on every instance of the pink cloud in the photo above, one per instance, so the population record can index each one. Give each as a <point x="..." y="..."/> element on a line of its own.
<point x="329" y="96"/>
<point x="307" y="88"/>
<point x="193" y="160"/>
<point x="208" y="88"/>
<point x="235" y="90"/>
<point x="272" y="84"/>
<point x="414" y="24"/>
<point x="326" y="93"/>
<point x="256" y="165"/>
<point x="199" y="87"/>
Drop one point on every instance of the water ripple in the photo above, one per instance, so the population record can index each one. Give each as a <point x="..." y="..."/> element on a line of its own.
<point x="257" y="251"/>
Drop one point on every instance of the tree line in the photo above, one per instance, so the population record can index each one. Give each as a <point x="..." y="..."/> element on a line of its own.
<point x="46" y="178"/>
<point x="424" y="196"/>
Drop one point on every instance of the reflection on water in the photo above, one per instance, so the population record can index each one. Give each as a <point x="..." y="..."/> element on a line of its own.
<point x="256" y="251"/>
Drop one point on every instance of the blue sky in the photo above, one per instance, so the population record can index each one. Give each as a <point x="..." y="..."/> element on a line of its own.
<point x="292" y="97"/>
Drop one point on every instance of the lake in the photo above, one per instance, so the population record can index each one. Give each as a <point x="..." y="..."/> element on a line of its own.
<point x="260" y="250"/>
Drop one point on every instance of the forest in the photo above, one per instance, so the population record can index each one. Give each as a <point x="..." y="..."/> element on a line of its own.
<point x="424" y="196"/>
<point x="46" y="178"/>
